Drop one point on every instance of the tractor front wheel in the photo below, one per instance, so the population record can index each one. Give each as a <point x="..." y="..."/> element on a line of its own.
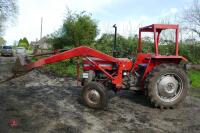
<point x="167" y="85"/>
<point x="95" y="95"/>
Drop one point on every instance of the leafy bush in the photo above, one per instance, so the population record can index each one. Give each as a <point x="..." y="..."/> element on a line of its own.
<point x="63" y="68"/>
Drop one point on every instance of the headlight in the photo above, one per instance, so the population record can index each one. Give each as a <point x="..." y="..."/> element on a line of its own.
<point x="125" y="73"/>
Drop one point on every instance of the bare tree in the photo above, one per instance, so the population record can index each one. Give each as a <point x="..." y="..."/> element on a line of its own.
<point x="8" y="11"/>
<point x="168" y="36"/>
<point x="191" y="17"/>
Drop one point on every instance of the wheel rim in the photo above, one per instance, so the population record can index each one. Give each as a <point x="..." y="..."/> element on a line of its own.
<point x="93" y="96"/>
<point x="169" y="87"/>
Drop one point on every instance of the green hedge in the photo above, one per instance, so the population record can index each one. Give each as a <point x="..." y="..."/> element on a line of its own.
<point x="129" y="48"/>
<point x="191" y="52"/>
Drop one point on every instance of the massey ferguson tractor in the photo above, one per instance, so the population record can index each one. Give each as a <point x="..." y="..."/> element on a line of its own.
<point x="161" y="77"/>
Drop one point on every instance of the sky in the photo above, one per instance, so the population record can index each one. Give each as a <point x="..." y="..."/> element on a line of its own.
<point x="127" y="14"/>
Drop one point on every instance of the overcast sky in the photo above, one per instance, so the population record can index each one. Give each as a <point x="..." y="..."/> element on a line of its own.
<point x="127" y="14"/>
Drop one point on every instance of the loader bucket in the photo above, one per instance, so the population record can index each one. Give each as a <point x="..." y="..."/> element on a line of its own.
<point x="16" y="69"/>
<point x="19" y="67"/>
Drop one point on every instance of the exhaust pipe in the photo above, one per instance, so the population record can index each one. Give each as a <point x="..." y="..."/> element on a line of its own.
<point x="115" y="41"/>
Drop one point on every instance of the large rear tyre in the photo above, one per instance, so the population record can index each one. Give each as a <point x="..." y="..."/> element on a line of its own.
<point x="95" y="95"/>
<point x="167" y="85"/>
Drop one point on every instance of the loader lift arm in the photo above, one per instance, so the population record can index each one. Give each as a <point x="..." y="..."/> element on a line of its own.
<point x="75" y="52"/>
<point x="83" y="51"/>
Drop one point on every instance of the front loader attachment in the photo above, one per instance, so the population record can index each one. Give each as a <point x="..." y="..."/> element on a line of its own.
<point x="24" y="65"/>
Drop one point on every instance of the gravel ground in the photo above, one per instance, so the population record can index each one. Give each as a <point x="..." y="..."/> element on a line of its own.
<point x="42" y="103"/>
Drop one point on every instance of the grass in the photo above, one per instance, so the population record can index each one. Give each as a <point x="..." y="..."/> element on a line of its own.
<point x="194" y="76"/>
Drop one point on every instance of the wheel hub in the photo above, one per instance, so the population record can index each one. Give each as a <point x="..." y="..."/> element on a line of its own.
<point x="93" y="96"/>
<point x="167" y="86"/>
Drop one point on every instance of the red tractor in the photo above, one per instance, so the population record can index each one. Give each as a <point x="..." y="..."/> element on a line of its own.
<point x="165" y="82"/>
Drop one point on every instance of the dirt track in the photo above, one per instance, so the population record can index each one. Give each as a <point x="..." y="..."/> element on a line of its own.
<point x="46" y="104"/>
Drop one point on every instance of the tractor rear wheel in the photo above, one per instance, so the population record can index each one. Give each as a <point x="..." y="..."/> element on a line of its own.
<point x="95" y="95"/>
<point x="167" y="85"/>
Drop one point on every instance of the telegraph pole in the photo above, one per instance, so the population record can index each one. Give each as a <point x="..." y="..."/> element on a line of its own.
<point x="41" y="28"/>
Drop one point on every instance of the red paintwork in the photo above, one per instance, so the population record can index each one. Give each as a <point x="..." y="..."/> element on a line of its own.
<point x="95" y="60"/>
<point x="87" y="65"/>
